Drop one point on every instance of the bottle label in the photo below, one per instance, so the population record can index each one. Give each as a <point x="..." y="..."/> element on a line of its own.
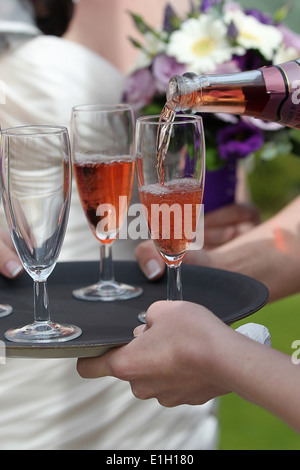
<point x="283" y="86"/>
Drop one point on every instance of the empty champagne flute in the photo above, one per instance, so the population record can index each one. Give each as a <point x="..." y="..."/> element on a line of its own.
<point x="170" y="166"/>
<point x="36" y="188"/>
<point x="103" y="161"/>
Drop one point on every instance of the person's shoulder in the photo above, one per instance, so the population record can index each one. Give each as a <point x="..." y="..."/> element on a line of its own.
<point x="61" y="51"/>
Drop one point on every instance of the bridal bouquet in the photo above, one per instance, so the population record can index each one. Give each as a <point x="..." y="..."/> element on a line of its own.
<point x="216" y="37"/>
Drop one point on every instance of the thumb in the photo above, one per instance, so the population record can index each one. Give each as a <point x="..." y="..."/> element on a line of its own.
<point x="95" y="367"/>
<point x="10" y="265"/>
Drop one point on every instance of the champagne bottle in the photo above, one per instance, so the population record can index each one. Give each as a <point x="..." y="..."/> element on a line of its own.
<point x="271" y="93"/>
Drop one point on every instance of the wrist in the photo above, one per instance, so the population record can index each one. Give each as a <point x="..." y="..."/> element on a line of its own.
<point x="223" y="360"/>
<point x="212" y="353"/>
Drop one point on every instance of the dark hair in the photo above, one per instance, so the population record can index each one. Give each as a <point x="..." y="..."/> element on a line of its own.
<point x="53" y="16"/>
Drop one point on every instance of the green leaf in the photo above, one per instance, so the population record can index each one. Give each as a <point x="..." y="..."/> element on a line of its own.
<point x="153" y="108"/>
<point x="140" y="24"/>
<point x="281" y="14"/>
<point x="176" y="22"/>
<point x="295" y="135"/>
<point x="144" y="27"/>
<point x="135" y="43"/>
<point x="213" y="160"/>
<point x="295" y="141"/>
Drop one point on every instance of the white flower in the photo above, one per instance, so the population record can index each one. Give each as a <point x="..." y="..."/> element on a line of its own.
<point x="252" y="34"/>
<point x="285" y="54"/>
<point x="201" y="43"/>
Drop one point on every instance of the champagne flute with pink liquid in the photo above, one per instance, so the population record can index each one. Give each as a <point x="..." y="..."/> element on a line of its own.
<point x="170" y="165"/>
<point x="103" y="161"/>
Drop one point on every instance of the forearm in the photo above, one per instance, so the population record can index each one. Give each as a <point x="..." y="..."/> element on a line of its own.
<point x="262" y="376"/>
<point x="184" y="343"/>
<point x="270" y="253"/>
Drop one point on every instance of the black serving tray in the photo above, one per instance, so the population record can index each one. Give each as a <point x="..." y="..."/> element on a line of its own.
<point x="104" y="325"/>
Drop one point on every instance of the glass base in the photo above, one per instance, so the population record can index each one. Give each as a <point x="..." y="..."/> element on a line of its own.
<point x="142" y="317"/>
<point x="107" y="291"/>
<point x="43" y="332"/>
<point x="5" y="310"/>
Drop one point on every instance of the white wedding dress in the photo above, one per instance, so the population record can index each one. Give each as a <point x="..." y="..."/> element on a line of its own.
<point x="44" y="404"/>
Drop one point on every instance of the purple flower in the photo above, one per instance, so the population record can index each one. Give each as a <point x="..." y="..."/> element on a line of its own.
<point x="139" y="89"/>
<point x="251" y="60"/>
<point x="232" y="31"/>
<point x="239" y="140"/>
<point x="163" y="68"/>
<point x="170" y="19"/>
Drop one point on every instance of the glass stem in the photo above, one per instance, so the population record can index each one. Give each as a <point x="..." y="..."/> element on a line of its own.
<point x="106" y="263"/>
<point x="41" y="301"/>
<point x="174" y="286"/>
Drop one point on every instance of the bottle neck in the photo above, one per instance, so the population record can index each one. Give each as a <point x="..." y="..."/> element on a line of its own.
<point x="271" y="93"/>
<point x="215" y="93"/>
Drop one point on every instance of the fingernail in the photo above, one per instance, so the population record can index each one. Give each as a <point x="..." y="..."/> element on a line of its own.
<point x="152" y="269"/>
<point x="14" y="268"/>
<point x="139" y="330"/>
